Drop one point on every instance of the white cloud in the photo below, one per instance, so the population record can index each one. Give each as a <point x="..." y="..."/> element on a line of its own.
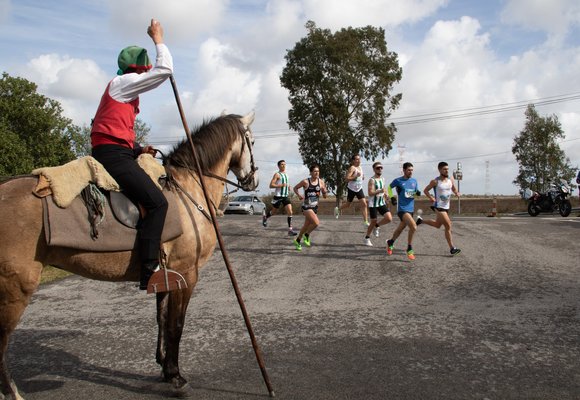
<point x="183" y="21"/>
<point x="227" y="84"/>
<point x="553" y="17"/>
<point x="76" y="83"/>
<point x="336" y="14"/>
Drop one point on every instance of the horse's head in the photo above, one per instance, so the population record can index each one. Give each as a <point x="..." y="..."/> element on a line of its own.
<point x="243" y="165"/>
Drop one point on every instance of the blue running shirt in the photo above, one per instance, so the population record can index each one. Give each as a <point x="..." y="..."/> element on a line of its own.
<point x="406" y="189"/>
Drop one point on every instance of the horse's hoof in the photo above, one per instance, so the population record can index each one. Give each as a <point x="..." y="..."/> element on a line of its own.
<point x="180" y="388"/>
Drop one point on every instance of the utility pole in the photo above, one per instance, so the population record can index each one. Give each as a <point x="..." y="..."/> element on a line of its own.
<point x="458" y="175"/>
<point x="401" y="149"/>
<point x="487" y="181"/>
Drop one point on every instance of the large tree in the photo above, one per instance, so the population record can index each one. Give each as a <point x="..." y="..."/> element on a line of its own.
<point x="540" y="158"/>
<point x="340" y="86"/>
<point x="33" y="131"/>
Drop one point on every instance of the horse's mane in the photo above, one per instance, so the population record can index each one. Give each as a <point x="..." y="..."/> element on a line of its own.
<point x="212" y="138"/>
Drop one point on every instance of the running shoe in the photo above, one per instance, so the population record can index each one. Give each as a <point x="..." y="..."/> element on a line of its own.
<point x="454" y="251"/>
<point x="368" y="242"/>
<point x="307" y="240"/>
<point x="366" y="223"/>
<point x="297" y="245"/>
<point x="410" y="255"/>
<point x="419" y="220"/>
<point x="264" y="220"/>
<point x="336" y="212"/>
<point x="291" y="232"/>
<point x="376" y="232"/>
<point x="390" y="247"/>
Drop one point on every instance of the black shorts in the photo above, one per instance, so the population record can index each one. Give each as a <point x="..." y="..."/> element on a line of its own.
<point x="381" y="209"/>
<point x="305" y="208"/>
<point x="401" y="213"/>
<point x="351" y="195"/>
<point x="439" y="209"/>
<point x="278" y="201"/>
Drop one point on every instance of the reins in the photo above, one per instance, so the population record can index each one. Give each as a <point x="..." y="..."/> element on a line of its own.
<point x="240" y="184"/>
<point x="220" y="238"/>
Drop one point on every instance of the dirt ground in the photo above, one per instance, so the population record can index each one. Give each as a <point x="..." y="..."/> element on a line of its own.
<point x="336" y="321"/>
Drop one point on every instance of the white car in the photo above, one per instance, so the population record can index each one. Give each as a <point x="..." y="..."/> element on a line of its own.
<point x="246" y="204"/>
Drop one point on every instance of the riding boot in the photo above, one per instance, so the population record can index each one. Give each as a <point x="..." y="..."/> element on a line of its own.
<point x="147" y="269"/>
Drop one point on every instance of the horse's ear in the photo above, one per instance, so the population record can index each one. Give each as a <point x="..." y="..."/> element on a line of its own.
<point x="224" y="113"/>
<point x="248" y="119"/>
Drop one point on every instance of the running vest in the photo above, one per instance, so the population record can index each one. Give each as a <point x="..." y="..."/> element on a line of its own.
<point x="378" y="199"/>
<point x="357" y="184"/>
<point x="114" y="121"/>
<point x="281" y="191"/>
<point x="311" y="194"/>
<point x="443" y="193"/>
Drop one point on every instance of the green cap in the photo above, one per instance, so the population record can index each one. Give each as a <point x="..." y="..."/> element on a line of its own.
<point x="133" y="57"/>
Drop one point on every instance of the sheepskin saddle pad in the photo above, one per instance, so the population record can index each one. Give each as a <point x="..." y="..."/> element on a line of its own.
<point x="79" y="215"/>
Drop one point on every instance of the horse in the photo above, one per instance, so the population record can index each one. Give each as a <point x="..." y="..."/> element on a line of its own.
<point x="221" y="145"/>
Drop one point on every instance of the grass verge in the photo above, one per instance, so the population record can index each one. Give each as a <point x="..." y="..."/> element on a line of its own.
<point x="51" y="274"/>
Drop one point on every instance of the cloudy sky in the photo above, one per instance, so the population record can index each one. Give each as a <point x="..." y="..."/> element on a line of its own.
<point x="470" y="68"/>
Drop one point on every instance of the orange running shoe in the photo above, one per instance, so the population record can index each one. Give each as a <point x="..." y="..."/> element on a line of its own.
<point x="390" y="246"/>
<point x="411" y="255"/>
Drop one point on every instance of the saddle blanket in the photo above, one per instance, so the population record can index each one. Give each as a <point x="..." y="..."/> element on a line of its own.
<point x="71" y="227"/>
<point x="66" y="182"/>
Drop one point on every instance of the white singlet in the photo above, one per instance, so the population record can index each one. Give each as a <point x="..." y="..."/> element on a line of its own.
<point x="357" y="184"/>
<point x="443" y="193"/>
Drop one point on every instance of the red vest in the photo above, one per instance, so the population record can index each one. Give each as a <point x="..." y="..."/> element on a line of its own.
<point x="114" y="122"/>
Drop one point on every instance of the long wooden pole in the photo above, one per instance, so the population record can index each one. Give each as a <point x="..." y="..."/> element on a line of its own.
<point x="222" y="247"/>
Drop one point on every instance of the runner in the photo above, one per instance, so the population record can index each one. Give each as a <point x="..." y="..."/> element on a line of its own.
<point x="354" y="177"/>
<point x="377" y="203"/>
<point x="312" y="186"/>
<point x="281" y="199"/>
<point x="442" y="187"/>
<point x="407" y="189"/>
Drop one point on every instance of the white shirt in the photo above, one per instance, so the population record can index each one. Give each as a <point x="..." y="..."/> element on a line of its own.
<point x="125" y="88"/>
<point x="357" y="184"/>
<point x="443" y="193"/>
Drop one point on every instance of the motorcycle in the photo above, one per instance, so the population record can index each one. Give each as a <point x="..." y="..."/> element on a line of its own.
<point x="555" y="199"/>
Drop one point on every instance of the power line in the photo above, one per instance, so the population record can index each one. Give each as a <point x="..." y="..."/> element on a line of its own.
<point x="421" y="118"/>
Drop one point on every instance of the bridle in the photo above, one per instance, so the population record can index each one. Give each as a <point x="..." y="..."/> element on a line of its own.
<point x="248" y="178"/>
<point x="241" y="182"/>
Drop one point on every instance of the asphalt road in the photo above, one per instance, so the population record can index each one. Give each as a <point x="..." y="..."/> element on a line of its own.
<point x="337" y="321"/>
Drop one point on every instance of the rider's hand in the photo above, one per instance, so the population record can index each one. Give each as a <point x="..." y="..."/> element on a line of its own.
<point x="155" y="31"/>
<point x="149" y="150"/>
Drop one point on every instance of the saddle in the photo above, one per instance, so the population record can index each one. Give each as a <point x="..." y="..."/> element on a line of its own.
<point x="67" y="222"/>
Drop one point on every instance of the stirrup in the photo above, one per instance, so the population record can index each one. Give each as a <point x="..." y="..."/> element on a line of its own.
<point x="165" y="280"/>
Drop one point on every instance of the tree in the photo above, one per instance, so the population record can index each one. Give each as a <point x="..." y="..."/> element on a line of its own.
<point x="81" y="137"/>
<point x="340" y="98"/>
<point x="33" y="131"/>
<point x="538" y="154"/>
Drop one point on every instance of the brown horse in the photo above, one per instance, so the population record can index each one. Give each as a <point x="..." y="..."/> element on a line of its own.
<point x="222" y="144"/>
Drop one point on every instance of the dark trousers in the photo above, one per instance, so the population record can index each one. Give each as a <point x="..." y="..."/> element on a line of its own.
<point x="137" y="186"/>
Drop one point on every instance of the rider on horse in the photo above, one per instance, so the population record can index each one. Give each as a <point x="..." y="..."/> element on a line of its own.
<point x="113" y="141"/>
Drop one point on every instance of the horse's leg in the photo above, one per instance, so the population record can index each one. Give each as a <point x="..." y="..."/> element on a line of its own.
<point x="176" y="309"/>
<point x="162" y="315"/>
<point x="17" y="284"/>
<point x="8" y="389"/>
